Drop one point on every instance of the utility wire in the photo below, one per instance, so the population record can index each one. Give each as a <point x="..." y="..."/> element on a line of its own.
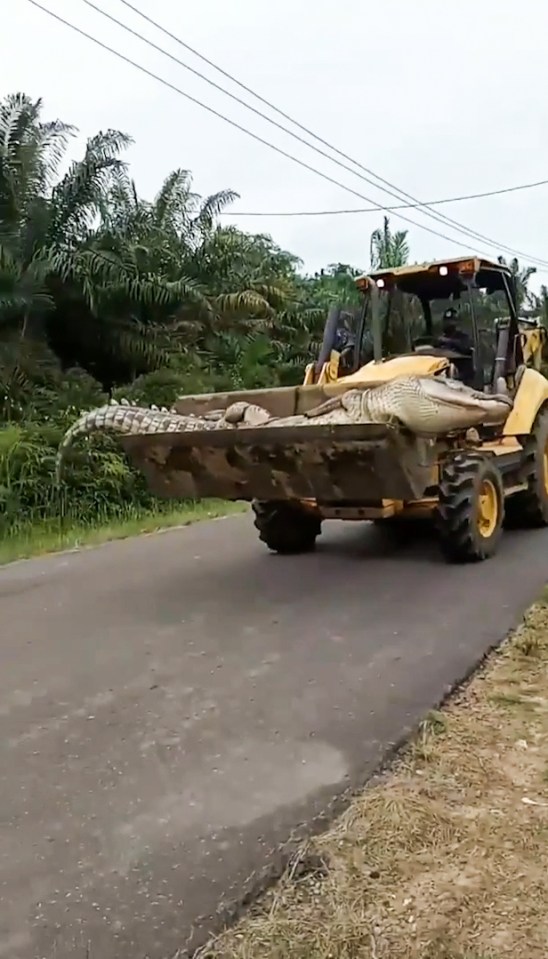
<point x="243" y="129"/>
<point x="419" y="205"/>
<point x="233" y="123"/>
<point x="372" y="209"/>
<point x="264" y="116"/>
<point x="433" y="215"/>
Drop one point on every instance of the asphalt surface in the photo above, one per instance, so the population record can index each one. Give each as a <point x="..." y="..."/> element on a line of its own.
<point x="173" y="706"/>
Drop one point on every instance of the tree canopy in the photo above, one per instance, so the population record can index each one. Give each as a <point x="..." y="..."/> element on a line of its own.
<point x="103" y="291"/>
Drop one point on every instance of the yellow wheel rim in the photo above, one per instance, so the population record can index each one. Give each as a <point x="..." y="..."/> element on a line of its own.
<point x="545" y="466"/>
<point x="488" y="508"/>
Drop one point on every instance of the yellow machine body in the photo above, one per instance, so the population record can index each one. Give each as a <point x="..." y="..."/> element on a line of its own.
<point x="297" y="476"/>
<point x="531" y="395"/>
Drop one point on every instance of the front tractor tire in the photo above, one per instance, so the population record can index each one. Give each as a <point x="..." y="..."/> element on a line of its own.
<point x="529" y="508"/>
<point x="470" y="511"/>
<point x="286" y="528"/>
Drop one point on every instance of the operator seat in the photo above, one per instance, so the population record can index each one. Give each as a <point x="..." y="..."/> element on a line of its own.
<point x="462" y="361"/>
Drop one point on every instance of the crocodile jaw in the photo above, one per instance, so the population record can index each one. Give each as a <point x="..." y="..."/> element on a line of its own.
<point x="452" y="394"/>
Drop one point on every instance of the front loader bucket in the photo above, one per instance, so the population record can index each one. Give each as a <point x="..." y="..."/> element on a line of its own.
<point x="329" y="463"/>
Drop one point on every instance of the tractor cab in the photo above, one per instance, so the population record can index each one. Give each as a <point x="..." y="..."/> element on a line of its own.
<point x="429" y="319"/>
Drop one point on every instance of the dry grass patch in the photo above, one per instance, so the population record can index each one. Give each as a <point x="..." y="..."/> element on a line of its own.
<point x="447" y="856"/>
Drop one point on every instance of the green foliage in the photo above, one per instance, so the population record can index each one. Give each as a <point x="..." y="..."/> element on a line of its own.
<point x="525" y="299"/>
<point x="99" y="481"/>
<point x="104" y="293"/>
<point x="388" y="249"/>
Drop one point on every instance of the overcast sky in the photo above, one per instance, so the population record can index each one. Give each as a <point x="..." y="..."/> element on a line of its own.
<point x="440" y="98"/>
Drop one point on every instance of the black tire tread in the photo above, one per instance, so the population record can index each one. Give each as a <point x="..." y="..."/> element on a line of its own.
<point x="285" y="528"/>
<point x="459" y="539"/>
<point x="529" y="509"/>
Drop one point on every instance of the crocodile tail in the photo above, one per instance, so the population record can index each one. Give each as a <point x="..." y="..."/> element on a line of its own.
<point x="114" y="418"/>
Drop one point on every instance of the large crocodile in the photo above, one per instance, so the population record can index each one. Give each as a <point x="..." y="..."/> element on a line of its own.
<point x="427" y="406"/>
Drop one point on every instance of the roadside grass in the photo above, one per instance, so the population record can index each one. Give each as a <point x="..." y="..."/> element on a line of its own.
<point x="446" y="855"/>
<point x="50" y="536"/>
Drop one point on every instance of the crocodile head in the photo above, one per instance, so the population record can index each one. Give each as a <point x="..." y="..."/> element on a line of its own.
<point x="491" y="408"/>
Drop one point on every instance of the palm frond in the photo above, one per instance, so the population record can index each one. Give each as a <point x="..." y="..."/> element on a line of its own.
<point x="173" y="203"/>
<point x="245" y="302"/>
<point x="212" y="206"/>
<point x="77" y="198"/>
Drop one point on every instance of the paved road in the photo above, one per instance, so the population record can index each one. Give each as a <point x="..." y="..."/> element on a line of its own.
<point x="172" y="706"/>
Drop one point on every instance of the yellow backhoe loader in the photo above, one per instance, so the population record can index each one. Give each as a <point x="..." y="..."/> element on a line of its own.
<point x="430" y="405"/>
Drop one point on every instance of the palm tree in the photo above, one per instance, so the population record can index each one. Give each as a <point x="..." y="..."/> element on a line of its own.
<point x="101" y="279"/>
<point x="388" y="249"/>
<point x="218" y="278"/>
<point x="88" y="293"/>
<point x="45" y="223"/>
<point x="30" y="156"/>
<point x="521" y="275"/>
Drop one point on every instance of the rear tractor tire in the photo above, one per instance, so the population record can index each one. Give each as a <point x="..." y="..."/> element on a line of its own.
<point x="470" y="512"/>
<point x="286" y="528"/>
<point x="529" y="509"/>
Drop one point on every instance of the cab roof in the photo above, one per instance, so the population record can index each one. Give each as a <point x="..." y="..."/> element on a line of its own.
<point x="439" y="279"/>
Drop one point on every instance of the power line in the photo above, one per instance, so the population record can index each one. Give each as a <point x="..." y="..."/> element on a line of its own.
<point x="259" y="113"/>
<point x="238" y="126"/>
<point x="233" y="123"/>
<point x="372" y="209"/>
<point x="433" y="215"/>
<point x="419" y="205"/>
